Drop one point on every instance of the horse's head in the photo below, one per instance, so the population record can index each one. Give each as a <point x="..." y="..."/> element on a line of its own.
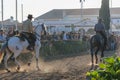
<point x="40" y="29"/>
<point x="44" y="28"/>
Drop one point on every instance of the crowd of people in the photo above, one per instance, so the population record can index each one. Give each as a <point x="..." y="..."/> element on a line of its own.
<point x="65" y="36"/>
<point x="114" y="41"/>
<point x="5" y="35"/>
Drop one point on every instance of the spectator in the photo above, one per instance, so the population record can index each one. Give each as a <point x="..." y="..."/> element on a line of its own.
<point x="11" y="32"/>
<point x="64" y="36"/>
<point x="2" y="36"/>
<point x="55" y="36"/>
<point x="112" y="41"/>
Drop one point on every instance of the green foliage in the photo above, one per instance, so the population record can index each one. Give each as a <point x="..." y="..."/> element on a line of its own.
<point x="63" y="48"/>
<point x="109" y="70"/>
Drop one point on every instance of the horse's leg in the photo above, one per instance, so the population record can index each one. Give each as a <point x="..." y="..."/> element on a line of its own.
<point x="37" y="57"/>
<point x="37" y="49"/>
<point x="96" y="55"/>
<point x="102" y="55"/>
<point x="7" y="56"/>
<point x="29" y="63"/>
<point x="16" y="54"/>
<point x="92" y="60"/>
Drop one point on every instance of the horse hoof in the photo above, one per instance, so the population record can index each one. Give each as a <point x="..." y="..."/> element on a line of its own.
<point x="29" y="64"/>
<point x="25" y="70"/>
<point x="8" y="70"/>
<point x="100" y="60"/>
<point x="92" y="66"/>
<point x="38" y="69"/>
<point x="18" y="69"/>
<point x="96" y="66"/>
<point x="96" y="62"/>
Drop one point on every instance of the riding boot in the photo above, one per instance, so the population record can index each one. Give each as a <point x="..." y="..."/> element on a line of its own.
<point x="22" y="38"/>
<point x="30" y="48"/>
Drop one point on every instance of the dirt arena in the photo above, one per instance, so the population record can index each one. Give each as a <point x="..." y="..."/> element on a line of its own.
<point x="73" y="67"/>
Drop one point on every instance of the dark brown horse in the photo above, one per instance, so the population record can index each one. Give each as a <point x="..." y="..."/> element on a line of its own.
<point x="96" y="44"/>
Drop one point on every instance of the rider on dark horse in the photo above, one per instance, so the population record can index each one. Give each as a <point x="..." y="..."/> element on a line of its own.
<point x="100" y="28"/>
<point x="27" y="32"/>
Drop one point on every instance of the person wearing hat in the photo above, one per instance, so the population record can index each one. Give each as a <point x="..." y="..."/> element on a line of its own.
<point x="100" y="28"/>
<point x="27" y="32"/>
<point x="27" y="25"/>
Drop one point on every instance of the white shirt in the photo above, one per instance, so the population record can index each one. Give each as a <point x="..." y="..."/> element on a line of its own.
<point x="64" y="36"/>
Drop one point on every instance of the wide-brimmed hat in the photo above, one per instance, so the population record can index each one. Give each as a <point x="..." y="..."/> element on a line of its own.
<point x="30" y="16"/>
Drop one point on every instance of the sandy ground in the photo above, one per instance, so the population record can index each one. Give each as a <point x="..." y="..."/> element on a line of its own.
<point x="64" y="68"/>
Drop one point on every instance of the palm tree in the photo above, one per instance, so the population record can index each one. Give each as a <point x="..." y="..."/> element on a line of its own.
<point x="82" y="0"/>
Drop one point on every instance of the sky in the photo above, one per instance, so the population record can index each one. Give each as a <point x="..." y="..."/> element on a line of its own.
<point x="39" y="7"/>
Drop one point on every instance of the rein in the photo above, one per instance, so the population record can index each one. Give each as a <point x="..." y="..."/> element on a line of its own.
<point x="36" y="27"/>
<point x="37" y="35"/>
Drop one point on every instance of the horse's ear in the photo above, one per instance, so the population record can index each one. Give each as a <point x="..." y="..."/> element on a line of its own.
<point x="43" y="26"/>
<point x="45" y="32"/>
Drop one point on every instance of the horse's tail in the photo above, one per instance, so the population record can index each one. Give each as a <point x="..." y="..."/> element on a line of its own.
<point x="92" y="40"/>
<point x="1" y="57"/>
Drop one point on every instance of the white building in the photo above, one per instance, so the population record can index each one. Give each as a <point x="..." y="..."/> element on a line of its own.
<point x="58" y="20"/>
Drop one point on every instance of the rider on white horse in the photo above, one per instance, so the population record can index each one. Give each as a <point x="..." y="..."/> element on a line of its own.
<point x="14" y="46"/>
<point x="27" y="32"/>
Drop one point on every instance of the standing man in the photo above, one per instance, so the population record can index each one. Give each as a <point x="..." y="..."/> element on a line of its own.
<point x="100" y="28"/>
<point x="27" y="32"/>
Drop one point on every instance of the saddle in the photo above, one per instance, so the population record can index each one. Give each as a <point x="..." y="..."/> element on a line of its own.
<point x="28" y="36"/>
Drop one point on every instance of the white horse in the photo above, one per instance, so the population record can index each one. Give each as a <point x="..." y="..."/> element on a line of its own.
<point x="16" y="47"/>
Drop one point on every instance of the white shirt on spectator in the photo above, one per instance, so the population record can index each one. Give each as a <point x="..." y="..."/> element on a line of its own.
<point x="2" y="38"/>
<point x="64" y="36"/>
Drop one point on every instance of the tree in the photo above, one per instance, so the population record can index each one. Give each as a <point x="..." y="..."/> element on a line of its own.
<point x="104" y="13"/>
<point x="82" y="0"/>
